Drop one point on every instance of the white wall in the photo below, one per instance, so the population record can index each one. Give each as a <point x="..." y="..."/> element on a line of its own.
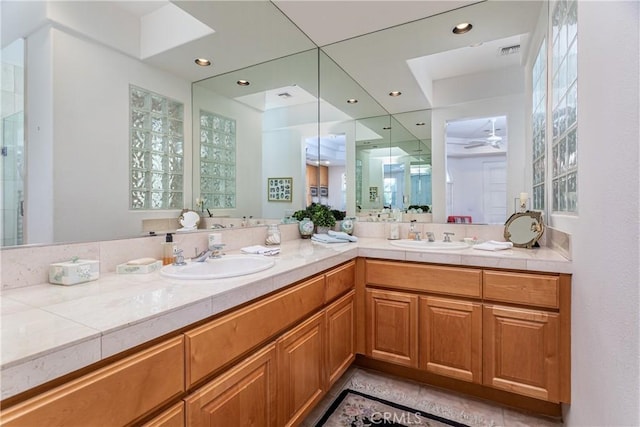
<point x="39" y="194"/>
<point x="605" y="234"/>
<point x="283" y="156"/>
<point x="335" y="187"/>
<point x="90" y="129"/>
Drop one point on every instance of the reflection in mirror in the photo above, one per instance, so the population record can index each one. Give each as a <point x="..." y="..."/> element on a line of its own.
<point x="274" y="106"/>
<point x="476" y="166"/>
<point x="343" y="103"/>
<point x="394" y="163"/>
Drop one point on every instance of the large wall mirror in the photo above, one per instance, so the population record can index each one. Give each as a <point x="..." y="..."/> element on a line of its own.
<point x="294" y="115"/>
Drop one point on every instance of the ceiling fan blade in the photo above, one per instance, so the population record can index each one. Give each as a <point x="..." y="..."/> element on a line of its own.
<point x="476" y="144"/>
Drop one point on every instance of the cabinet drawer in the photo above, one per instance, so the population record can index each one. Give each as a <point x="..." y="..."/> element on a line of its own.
<point x="522" y="288"/>
<point x="114" y="395"/>
<point x="172" y="417"/>
<point x="340" y="280"/>
<point x="428" y="278"/>
<point x="216" y="343"/>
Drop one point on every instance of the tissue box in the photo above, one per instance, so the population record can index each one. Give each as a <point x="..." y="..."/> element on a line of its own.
<point x="74" y="272"/>
<point x="127" y="268"/>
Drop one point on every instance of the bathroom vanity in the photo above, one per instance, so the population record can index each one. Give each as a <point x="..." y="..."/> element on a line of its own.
<point x="273" y="343"/>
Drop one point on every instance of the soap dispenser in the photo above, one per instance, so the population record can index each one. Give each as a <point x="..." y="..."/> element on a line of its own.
<point x="168" y="249"/>
<point x="412" y="230"/>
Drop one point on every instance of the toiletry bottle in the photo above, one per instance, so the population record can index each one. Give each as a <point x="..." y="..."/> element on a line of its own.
<point x="168" y="249"/>
<point x="412" y="230"/>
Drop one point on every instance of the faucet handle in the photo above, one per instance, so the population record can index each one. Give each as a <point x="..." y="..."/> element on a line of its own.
<point x="447" y="236"/>
<point x="178" y="257"/>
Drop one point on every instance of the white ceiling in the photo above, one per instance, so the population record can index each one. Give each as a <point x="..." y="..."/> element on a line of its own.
<point x="383" y="45"/>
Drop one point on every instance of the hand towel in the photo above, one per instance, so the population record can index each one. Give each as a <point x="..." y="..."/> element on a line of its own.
<point x="493" y="245"/>
<point x="325" y="238"/>
<point x="260" y="250"/>
<point x="342" y="235"/>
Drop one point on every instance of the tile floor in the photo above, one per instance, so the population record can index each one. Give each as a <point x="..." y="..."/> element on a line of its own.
<point x="453" y="406"/>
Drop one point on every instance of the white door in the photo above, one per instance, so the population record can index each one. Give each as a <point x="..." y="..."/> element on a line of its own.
<point x="495" y="192"/>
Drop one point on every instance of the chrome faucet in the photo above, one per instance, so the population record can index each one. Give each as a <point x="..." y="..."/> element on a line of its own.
<point x="214" y="251"/>
<point x="430" y="236"/>
<point x="202" y="256"/>
<point x="447" y="236"/>
<point x="416" y="235"/>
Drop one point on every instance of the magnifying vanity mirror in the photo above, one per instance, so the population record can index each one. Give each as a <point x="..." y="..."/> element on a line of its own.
<point x="297" y="111"/>
<point x="524" y="229"/>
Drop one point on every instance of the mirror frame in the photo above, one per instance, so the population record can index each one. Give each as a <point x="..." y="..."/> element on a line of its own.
<point x="536" y="228"/>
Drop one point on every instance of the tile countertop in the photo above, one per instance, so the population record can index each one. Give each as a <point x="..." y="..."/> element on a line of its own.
<point x="49" y="330"/>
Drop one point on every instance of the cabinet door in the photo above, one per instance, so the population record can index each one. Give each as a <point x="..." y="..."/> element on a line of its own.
<point x="172" y="417"/>
<point x="301" y="372"/>
<point x="451" y="338"/>
<point x="521" y="351"/>
<point x="392" y="327"/>
<point x="340" y="318"/>
<point x="243" y="396"/>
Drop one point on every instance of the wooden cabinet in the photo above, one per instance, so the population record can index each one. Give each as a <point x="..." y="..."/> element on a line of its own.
<point x="340" y="280"/>
<point x="340" y="338"/>
<point x="521" y="351"/>
<point x="456" y="281"/>
<point x="114" y="395"/>
<point x="243" y="396"/>
<point x="451" y="338"/>
<point x="301" y="371"/>
<point x="392" y="326"/>
<point x="503" y="329"/>
<point x="172" y="417"/>
<point x="215" y="344"/>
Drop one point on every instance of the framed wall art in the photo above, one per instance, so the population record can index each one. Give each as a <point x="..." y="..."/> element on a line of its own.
<point x="373" y="194"/>
<point x="279" y="189"/>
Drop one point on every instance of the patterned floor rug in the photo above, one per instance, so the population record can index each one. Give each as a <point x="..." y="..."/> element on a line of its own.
<point x="355" y="409"/>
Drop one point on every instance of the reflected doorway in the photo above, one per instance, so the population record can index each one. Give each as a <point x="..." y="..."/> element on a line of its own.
<point x="476" y="165"/>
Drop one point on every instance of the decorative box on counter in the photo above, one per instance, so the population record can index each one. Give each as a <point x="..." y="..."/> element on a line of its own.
<point x="139" y="266"/>
<point x="74" y="271"/>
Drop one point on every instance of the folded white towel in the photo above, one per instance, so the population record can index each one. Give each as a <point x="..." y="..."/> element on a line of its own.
<point x="342" y="235"/>
<point x="493" y="245"/>
<point x="325" y="238"/>
<point x="260" y="250"/>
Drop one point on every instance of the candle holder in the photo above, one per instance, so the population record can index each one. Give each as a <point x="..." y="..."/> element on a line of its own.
<point x="519" y="206"/>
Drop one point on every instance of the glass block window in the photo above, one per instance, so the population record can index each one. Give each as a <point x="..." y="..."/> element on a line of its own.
<point x="217" y="161"/>
<point x="539" y="121"/>
<point x="564" y="144"/>
<point x="156" y="150"/>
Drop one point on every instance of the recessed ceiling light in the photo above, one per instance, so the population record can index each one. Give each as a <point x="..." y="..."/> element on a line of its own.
<point x="420" y="124"/>
<point x="352" y="101"/>
<point x="203" y="62"/>
<point x="243" y="82"/>
<point x="395" y="93"/>
<point x="461" y="28"/>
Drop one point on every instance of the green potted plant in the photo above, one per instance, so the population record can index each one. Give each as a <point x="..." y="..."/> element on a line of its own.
<point x="321" y="216"/>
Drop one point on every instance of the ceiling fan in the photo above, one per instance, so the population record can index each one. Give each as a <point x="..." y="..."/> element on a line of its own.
<point x="492" y="140"/>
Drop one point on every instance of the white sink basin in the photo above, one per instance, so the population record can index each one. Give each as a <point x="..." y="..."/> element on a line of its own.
<point x="424" y="245"/>
<point x="227" y="266"/>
